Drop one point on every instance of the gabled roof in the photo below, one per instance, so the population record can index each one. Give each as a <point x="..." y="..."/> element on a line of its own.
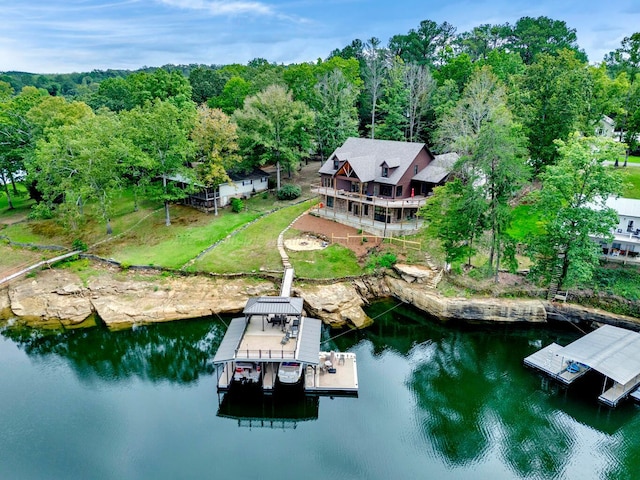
<point x="273" y="305"/>
<point x="366" y="157"/>
<point x="438" y="169"/>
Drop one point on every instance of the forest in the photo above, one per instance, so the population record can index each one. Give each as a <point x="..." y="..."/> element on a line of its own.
<point x="520" y="103"/>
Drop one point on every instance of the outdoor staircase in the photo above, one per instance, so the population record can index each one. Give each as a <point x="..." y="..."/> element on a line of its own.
<point x="439" y="272"/>
<point x="553" y="293"/>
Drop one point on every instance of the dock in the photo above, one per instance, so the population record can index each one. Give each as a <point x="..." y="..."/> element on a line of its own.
<point x="611" y="351"/>
<point x="550" y="361"/>
<point x="273" y="330"/>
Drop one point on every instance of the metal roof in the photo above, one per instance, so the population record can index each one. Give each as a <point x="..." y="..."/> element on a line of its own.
<point x="273" y="305"/>
<point x="612" y="351"/>
<point x="231" y="341"/>
<point x="308" y="348"/>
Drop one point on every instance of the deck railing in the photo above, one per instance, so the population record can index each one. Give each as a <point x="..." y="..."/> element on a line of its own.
<point x="264" y="354"/>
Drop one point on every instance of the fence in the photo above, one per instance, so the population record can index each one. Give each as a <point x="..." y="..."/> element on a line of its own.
<point x="375" y="239"/>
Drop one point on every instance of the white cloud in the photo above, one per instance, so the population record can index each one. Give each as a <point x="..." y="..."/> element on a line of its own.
<point x="215" y="7"/>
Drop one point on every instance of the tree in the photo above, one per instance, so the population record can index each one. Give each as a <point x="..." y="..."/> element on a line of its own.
<point x="492" y="164"/>
<point x="373" y="72"/>
<point x="626" y="60"/>
<point x="394" y="103"/>
<point x="554" y="96"/>
<point x="274" y="128"/>
<point x="216" y="143"/>
<point x="425" y="46"/>
<point x="22" y="122"/>
<point x="572" y="203"/>
<point x="455" y="215"/>
<point x="160" y="131"/>
<point x="420" y="86"/>
<point x="232" y="96"/>
<point x="205" y="83"/>
<point x="336" y="112"/>
<point x="482" y="40"/>
<point x="531" y="37"/>
<point x="79" y="162"/>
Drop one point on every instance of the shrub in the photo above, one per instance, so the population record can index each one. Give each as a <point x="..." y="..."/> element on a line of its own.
<point x="79" y="245"/>
<point x="382" y="260"/>
<point x="289" y="192"/>
<point x="237" y="205"/>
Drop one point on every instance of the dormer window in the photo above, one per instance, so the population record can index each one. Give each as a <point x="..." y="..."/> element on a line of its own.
<point x="385" y="171"/>
<point x="336" y="163"/>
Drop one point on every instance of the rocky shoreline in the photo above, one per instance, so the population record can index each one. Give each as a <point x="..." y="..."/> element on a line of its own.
<point x="59" y="298"/>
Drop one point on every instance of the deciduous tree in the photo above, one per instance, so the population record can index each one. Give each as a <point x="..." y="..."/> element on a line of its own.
<point x="274" y="128"/>
<point x="573" y="206"/>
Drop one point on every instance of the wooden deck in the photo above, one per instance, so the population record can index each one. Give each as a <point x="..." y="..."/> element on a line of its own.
<point x="344" y="381"/>
<point x="265" y="342"/>
<point x="548" y="361"/>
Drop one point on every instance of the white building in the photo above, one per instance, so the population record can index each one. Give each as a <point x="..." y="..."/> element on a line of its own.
<point x="626" y="242"/>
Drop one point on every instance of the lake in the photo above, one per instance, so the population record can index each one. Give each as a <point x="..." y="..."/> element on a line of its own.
<point x="435" y="401"/>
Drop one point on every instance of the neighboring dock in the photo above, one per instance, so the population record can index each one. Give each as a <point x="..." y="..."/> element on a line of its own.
<point x="612" y="351"/>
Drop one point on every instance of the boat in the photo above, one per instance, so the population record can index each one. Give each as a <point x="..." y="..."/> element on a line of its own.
<point x="290" y="373"/>
<point x="247" y="373"/>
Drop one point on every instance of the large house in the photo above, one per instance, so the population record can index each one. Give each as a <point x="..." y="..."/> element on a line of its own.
<point x="379" y="185"/>
<point x="626" y="242"/>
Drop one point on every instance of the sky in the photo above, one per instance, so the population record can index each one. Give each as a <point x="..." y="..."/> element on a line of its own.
<point x="63" y="36"/>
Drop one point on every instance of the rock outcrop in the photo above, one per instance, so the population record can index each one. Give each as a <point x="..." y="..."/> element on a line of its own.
<point x="477" y="309"/>
<point x="337" y="304"/>
<point x="59" y="298"/>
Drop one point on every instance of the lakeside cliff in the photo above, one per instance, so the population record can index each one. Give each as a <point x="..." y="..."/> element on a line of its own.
<point x="59" y="298"/>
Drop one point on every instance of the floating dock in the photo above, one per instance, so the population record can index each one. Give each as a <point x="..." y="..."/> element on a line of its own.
<point x="612" y="351"/>
<point x="272" y="331"/>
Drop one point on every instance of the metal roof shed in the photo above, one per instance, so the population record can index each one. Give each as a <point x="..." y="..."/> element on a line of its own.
<point x="612" y="351"/>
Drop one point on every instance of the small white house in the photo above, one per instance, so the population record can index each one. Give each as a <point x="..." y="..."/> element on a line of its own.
<point x="606" y="127"/>
<point x="207" y="199"/>
<point x="626" y="242"/>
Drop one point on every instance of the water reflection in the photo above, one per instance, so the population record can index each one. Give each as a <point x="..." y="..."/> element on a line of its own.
<point x="473" y="396"/>
<point x="177" y="352"/>
<point x="282" y="411"/>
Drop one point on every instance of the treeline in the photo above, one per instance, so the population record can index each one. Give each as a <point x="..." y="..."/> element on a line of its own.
<point x="508" y="98"/>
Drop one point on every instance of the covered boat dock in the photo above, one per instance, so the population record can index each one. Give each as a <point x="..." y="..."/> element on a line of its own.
<point x="274" y="330"/>
<point x="612" y="351"/>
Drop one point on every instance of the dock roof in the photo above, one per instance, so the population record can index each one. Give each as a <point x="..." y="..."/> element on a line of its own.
<point x="612" y="351"/>
<point x="274" y="305"/>
<point x="231" y="340"/>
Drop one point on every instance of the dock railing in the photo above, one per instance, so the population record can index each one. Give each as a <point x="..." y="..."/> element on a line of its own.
<point x="264" y="354"/>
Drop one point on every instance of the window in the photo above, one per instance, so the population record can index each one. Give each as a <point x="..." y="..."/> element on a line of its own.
<point x="415" y="169"/>
<point x="385" y="171"/>
<point x="385" y="190"/>
<point x="330" y="202"/>
<point x="336" y="164"/>
<point x="399" y="191"/>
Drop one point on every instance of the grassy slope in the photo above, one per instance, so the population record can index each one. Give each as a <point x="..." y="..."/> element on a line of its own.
<point x="253" y="248"/>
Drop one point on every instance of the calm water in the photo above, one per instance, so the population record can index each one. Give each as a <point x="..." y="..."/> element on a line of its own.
<point x="435" y="402"/>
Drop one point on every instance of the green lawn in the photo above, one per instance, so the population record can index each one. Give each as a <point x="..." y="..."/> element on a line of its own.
<point x="525" y="222"/>
<point x="335" y="261"/>
<point x="153" y="243"/>
<point x="632" y="180"/>
<point x="253" y="248"/>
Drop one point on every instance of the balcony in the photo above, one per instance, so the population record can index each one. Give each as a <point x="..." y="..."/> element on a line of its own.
<point x="411" y="202"/>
